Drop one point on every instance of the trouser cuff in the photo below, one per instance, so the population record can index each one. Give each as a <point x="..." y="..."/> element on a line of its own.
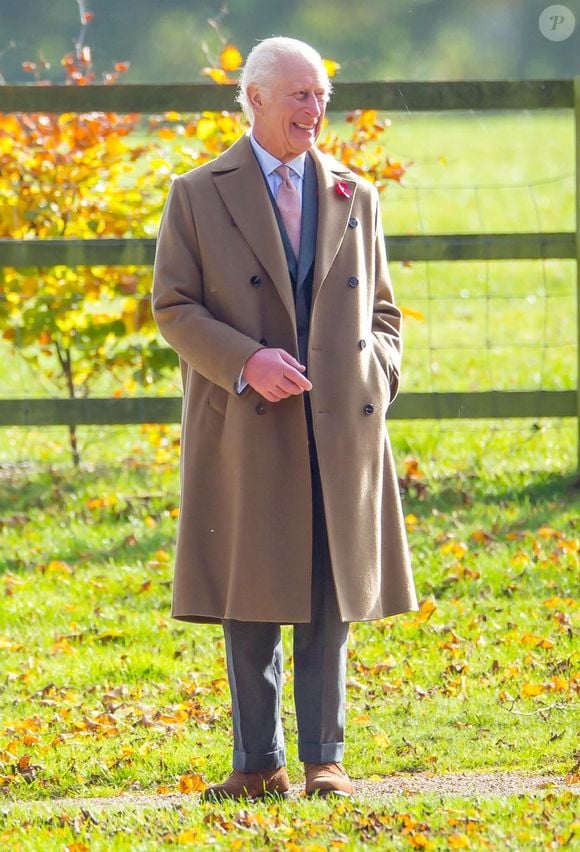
<point x="321" y="752"/>
<point x="245" y="762"/>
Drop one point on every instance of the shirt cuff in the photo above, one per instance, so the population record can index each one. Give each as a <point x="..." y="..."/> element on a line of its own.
<point x="241" y="384"/>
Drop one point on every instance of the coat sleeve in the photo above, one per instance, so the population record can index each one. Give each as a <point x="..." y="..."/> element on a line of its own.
<point x="387" y="317"/>
<point x="213" y="348"/>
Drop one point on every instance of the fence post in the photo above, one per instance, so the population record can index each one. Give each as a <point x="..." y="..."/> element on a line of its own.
<point x="577" y="145"/>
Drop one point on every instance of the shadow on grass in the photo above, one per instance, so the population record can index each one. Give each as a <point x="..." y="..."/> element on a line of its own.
<point x="49" y="499"/>
<point x="22" y="490"/>
<point x="539" y="497"/>
<point x="534" y="500"/>
<point x="128" y="550"/>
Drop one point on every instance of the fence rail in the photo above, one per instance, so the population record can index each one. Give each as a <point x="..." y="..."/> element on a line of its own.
<point x="392" y="96"/>
<point x="166" y="409"/>
<point x="120" y="252"/>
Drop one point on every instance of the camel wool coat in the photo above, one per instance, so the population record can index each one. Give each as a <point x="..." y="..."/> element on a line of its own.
<point x="221" y="291"/>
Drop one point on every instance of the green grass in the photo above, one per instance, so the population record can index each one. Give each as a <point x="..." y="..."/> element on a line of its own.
<point x="401" y="824"/>
<point x="107" y="695"/>
<point x="102" y="693"/>
<point x="482" y="172"/>
<point x="86" y="560"/>
<point x="511" y="324"/>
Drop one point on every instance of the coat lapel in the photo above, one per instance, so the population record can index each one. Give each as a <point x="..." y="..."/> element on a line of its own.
<point x="240" y="183"/>
<point x="334" y="211"/>
<point x="308" y="225"/>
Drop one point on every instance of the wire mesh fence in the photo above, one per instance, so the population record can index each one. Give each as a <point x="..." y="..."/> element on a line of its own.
<point x="482" y="252"/>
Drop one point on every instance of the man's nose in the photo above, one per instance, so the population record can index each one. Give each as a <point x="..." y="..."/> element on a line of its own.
<point x="313" y="105"/>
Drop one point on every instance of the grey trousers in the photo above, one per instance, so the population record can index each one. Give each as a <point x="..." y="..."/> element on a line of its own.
<point x="255" y="672"/>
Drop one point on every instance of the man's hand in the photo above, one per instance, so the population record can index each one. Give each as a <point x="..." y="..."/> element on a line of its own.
<point x="275" y="374"/>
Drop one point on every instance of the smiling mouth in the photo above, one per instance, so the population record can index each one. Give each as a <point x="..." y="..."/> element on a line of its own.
<point x="304" y="126"/>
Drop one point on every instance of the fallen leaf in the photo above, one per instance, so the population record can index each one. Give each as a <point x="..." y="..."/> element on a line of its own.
<point x="192" y="783"/>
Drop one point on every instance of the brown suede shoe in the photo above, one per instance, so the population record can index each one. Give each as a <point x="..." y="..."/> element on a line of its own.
<point x="249" y="785"/>
<point x="327" y="779"/>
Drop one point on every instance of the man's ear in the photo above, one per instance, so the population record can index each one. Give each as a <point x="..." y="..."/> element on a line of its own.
<point x="255" y="97"/>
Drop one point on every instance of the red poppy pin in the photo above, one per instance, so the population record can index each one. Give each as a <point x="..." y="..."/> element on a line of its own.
<point x="343" y="189"/>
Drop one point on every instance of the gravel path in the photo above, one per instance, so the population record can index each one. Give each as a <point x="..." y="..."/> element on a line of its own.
<point x="486" y="785"/>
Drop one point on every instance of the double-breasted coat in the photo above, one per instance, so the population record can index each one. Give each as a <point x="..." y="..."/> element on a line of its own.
<point x="221" y="291"/>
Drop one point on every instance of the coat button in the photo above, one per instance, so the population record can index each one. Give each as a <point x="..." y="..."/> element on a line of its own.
<point x="352" y="222"/>
<point x="352" y="281"/>
<point x="369" y="408"/>
<point x="362" y="344"/>
<point x="260" y="408"/>
<point x="263" y="342"/>
<point x="255" y="281"/>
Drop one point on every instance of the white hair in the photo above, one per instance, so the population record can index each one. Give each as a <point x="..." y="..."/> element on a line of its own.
<point x="261" y="66"/>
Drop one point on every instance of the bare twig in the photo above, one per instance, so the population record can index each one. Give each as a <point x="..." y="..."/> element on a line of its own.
<point x="545" y="708"/>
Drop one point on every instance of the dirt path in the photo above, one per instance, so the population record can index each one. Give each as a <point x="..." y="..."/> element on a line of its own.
<point x="485" y="785"/>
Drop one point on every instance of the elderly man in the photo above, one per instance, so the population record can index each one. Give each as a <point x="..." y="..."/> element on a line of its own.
<point x="271" y="284"/>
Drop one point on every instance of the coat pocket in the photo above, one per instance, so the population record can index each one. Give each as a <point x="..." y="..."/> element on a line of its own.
<point x="218" y="400"/>
<point x="379" y="384"/>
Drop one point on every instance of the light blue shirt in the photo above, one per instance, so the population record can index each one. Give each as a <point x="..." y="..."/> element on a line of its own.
<point x="269" y="164"/>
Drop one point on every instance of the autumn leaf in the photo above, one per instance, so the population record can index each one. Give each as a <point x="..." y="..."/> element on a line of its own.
<point x="362" y="718"/>
<point x="456" y="548"/>
<point x="58" y="566"/>
<point x="331" y="66"/>
<point x="558" y="684"/>
<point x="536" y="641"/>
<point x="482" y="536"/>
<point x="412" y="313"/>
<point x="218" y="75"/>
<point x="230" y="58"/>
<point x="189" y="837"/>
<point x="419" y="841"/>
<point x="412" y="469"/>
<point x="459" y="841"/>
<point x="162" y="556"/>
<point x="62" y="646"/>
<point x="393" y="171"/>
<point x="548" y="532"/>
<point x="529" y="690"/>
<point x="426" y="609"/>
<point x="192" y="783"/>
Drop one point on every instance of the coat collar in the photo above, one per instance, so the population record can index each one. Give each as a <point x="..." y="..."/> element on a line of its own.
<point x="239" y="181"/>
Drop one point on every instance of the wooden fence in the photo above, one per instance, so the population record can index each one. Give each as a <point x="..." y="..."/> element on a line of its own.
<point x="393" y="97"/>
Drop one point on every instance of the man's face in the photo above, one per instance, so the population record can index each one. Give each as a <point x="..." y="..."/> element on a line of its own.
<point x="288" y="117"/>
